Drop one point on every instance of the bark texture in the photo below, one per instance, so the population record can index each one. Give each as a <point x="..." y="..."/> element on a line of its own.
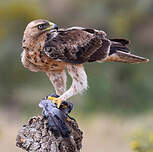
<point x="35" y="137"/>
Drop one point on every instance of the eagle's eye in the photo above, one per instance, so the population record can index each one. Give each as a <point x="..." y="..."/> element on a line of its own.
<point x="42" y="26"/>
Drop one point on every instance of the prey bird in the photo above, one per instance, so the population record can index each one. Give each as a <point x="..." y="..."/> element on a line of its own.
<point x="51" y="50"/>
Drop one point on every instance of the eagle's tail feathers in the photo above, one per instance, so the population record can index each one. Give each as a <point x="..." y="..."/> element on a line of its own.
<point x="120" y="56"/>
<point x="119" y="52"/>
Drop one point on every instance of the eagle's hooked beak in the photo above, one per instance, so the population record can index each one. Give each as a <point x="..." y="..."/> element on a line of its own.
<point x="55" y="26"/>
<point x="52" y="26"/>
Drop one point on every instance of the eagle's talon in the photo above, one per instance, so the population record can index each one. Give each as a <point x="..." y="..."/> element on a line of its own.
<point x="55" y="100"/>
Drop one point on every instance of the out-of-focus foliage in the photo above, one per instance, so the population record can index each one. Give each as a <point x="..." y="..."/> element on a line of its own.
<point x="142" y="141"/>
<point x="113" y="87"/>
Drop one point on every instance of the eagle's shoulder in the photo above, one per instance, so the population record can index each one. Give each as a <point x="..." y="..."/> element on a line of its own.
<point x="68" y="37"/>
<point x="73" y="35"/>
<point x="86" y="30"/>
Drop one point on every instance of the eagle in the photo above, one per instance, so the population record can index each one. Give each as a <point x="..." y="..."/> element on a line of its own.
<point x="48" y="49"/>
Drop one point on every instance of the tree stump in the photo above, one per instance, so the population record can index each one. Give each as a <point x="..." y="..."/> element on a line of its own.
<point x="36" y="137"/>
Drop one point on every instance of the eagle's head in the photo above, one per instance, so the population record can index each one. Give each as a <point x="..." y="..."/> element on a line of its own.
<point x="37" y="27"/>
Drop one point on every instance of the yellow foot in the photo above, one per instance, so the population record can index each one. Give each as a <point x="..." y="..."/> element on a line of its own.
<point x="68" y="119"/>
<point x="58" y="101"/>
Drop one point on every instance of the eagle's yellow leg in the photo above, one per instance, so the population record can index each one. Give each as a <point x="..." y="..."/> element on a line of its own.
<point x="68" y="119"/>
<point x="58" y="101"/>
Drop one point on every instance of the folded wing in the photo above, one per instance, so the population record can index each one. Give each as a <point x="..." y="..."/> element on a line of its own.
<point x="77" y="45"/>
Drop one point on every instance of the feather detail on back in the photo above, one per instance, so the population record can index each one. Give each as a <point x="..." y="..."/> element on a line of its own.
<point x="77" y="45"/>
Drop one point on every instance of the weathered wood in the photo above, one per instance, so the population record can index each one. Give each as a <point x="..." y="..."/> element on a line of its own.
<point x="35" y="137"/>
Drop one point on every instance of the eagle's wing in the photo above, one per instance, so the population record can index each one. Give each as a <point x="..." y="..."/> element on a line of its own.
<point x="77" y="45"/>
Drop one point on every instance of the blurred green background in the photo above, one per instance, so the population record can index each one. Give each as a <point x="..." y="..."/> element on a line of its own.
<point x="118" y="94"/>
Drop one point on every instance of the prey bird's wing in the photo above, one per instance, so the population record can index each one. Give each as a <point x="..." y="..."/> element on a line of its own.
<point x="76" y="45"/>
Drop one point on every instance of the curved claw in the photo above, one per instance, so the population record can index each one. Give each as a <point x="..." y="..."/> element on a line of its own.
<point x="58" y="101"/>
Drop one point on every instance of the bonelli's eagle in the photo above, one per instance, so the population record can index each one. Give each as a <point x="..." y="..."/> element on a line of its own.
<point x="51" y="50"/>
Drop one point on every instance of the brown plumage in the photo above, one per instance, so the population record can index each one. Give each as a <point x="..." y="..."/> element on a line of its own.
<point x="52" y="51"/>
<point x="75" y="45"/>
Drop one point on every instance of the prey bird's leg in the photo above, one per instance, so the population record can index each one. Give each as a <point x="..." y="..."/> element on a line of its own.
<point x="58" y="79"/>
<point x="79" y="81"/>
